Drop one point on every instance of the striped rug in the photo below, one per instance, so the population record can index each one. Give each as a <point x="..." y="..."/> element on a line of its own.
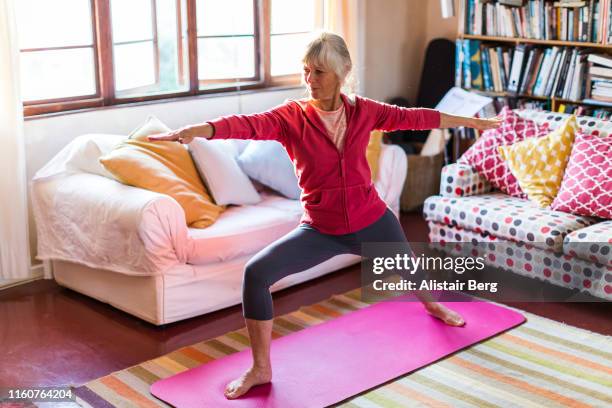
<point x="541" y="363"/>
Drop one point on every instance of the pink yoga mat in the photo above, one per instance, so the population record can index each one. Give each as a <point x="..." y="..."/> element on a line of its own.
<point x="330" y="362"/>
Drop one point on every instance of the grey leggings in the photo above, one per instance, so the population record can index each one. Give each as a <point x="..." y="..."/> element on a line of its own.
<point x="301" y="249"/>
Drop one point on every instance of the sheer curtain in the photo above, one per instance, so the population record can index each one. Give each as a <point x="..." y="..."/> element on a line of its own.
<point x="14" y="245"/>
<point x="345" y="17"/>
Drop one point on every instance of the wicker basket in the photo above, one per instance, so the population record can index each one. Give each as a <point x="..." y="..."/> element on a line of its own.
<point x="422" y="180"/>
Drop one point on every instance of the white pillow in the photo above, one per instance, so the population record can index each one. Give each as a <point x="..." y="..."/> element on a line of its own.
<point x="225" y="180"/>
<point x="267" y="161"/>
<point x="151" y="126"/>
<point x="81" y="156"/>
<point x="90" y="149"/>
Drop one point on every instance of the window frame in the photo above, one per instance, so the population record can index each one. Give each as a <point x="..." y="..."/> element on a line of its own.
<point x="73" y="102"/>
<point x="106" y="94"/>
<point x="154" y="40"/>
<point x="254" y="80"/>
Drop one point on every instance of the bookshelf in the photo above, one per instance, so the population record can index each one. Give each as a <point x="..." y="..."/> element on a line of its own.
<point x="567" y="30"/>
<point x="536" y="41"/>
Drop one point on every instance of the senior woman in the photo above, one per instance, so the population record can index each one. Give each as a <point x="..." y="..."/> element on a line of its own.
<point x="326" y="136"/>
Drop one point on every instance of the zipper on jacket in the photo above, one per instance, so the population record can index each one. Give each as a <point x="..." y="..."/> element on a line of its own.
<point x="343" y="176"/>
<point x="340" y="152"/>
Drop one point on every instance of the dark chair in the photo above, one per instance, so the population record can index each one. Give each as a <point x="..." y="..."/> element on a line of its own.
<point x="437" y="78"/>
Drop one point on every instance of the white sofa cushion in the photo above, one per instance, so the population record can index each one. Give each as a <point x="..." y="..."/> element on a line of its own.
<point x="224" y="179"/>
<point x="81" y="156"/>
<point x="244" y="230"/>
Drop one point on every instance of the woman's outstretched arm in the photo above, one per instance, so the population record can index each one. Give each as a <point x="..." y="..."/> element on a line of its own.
<point x="452" y="121"/>
<point x="261" y="126"/>
<point x="390" y="118"/>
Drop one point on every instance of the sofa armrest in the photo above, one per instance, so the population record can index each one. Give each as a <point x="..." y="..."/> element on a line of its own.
<point x="460" y="180"/>
<point x="392" y="168"/>
<point x="99" y="222"/>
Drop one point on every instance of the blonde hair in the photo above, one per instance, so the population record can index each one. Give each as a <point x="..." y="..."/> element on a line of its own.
<point x="329" y="50"/>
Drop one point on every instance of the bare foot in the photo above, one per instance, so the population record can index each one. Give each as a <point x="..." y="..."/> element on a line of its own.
<point x="251" y="377"/>
<point x="445" y="314"/>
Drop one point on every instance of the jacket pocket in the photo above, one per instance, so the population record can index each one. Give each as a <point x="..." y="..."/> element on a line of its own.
<point x="360" y="198"/>
<point x="324" y="205"/>
<point x="313" y="199"/>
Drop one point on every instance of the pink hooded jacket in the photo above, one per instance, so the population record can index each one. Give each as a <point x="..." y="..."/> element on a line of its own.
<point x="338" y="195"/>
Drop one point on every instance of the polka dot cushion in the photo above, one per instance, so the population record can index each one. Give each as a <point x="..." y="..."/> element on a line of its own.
<point x="586" y="188"/>
<point x="505" y="217"/>
<point x="593" y="243"/>
<point x="484" y="157"/>
<point x="586" y="124"/>
<point x="460" y="180"/>
<point x="539" y="163"/>
<point x="528" y="260"/>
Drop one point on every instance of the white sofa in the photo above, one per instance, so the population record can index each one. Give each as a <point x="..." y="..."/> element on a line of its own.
<point x="130" y="247"/>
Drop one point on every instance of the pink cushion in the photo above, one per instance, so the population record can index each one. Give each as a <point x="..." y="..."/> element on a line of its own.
<point x="483" y="156"/>
<point x="586" y="188"/>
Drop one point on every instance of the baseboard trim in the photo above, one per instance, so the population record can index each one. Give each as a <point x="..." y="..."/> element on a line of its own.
<point x="36" y="273"/>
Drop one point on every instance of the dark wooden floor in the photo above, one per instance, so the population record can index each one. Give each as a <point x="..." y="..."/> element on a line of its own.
<point x="50" y="335"/>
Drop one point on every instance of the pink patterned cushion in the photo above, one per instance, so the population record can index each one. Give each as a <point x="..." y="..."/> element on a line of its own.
<point x="586" y="188"/>
<point x="486" y="160"/>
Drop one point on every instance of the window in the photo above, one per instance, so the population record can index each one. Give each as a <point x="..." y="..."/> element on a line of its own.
<point x="57" y="49"/>
<point x="226" y="42"/>
<point x="149" y="47"/>
<point x="291" y="23"/>
<point x="90" y="53"/>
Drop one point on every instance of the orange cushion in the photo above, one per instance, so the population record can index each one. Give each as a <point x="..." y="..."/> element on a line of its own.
<point x="166" y="168"/>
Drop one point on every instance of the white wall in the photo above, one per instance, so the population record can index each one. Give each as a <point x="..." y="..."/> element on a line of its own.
<point x="438" y="27"/>
<point x="394" y="44"/>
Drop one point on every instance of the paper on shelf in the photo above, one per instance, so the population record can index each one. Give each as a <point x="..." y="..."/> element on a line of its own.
<point x="460" y="102"/>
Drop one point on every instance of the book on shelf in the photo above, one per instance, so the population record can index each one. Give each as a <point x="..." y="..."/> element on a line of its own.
<point x="458" y="62"/>
<point x="601" y="71"/>
<point x="569" y="3"/>
<point x="566" y="73"/>
<point x="601" y="59"/>
<point x="579" y="21"/>
<point x="472" y="63"/>
<point x="516" y="71"/>
<point x="581" y="110"/>
<point x="515" y="3"/>
<point x="598" y="78"/>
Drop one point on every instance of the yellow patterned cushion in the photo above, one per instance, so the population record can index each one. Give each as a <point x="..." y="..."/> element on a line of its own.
<point x="539" y="163"/>
<point x="166" y="168"/>
<point x="373" y="152"/>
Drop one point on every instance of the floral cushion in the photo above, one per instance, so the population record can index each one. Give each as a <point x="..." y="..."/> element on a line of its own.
<point x="593" y="243"/>
<point x="483" y="155"/>
<point x="586" y="188"/>
<point x="460" y="180"/>
<point x="506" y="217"/>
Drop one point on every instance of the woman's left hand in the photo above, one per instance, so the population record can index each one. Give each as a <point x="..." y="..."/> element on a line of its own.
<point x="484" y="124"/>
<point x="452" y="121"/>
